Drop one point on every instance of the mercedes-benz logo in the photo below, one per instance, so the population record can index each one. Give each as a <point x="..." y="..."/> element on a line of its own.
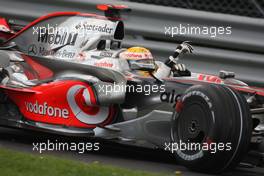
<point x="32" y="49"/>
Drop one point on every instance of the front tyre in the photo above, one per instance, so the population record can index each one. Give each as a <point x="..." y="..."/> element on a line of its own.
<point x="212" y="128"/>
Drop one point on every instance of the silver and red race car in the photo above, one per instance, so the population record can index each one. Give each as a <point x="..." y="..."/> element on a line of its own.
<point x="63" y="74"/>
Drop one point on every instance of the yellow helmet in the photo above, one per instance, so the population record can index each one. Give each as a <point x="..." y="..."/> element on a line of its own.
<point x="139" y="58"/>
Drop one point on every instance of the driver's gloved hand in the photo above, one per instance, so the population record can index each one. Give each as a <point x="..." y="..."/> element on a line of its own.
<point x="180" y="70"/>
<point x="172" y="62"/>
<point x="183" y="48"/>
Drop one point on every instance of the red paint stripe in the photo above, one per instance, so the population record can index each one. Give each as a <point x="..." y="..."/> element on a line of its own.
<point x="56" y="14"/>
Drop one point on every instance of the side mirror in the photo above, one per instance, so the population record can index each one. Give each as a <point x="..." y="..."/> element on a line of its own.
<point x="226" y="74"/>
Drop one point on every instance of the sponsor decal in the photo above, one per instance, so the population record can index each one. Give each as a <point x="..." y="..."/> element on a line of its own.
<point x="135" y="56"/>
<point x="57" y="38"/>
<point x="87" y="26"/>
<point x="32" y="49"/>
<point x="135" y="53"/>
<point x="106" y="54"/>
<point x="169" y="97"/>
<point x="60" y="54"/>
<point x="104" y="64"/>
<point x="42" y="51"/>
<point x="45" y="109"/>
<point x="85" y="116"/>
<point x="209" y="78"/>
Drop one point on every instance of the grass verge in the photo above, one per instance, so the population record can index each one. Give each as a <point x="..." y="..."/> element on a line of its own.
<point x="13" y="163"/>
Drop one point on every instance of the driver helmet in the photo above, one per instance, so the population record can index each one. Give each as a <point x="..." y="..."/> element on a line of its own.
<point x="140" y="59"/>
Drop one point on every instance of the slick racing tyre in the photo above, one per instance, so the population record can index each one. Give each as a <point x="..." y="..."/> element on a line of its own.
<point x="211" y="128"/>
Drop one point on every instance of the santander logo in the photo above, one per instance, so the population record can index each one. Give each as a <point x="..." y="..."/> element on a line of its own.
<point x="94" y="115"/>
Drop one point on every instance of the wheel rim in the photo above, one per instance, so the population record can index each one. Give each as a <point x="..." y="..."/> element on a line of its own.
<point x="192" y="125"/>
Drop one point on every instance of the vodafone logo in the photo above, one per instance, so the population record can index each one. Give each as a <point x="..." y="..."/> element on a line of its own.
<point x="89" y="115"/>
<point x="45" y="109"/>
<point x="134" y="55"/>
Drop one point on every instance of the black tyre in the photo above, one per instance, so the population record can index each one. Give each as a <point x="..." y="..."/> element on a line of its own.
<point x="214" y="124"/>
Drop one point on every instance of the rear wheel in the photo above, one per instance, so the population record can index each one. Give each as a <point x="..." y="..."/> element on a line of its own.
<point x="8" y="109"/>
<point x="212" y="128"/>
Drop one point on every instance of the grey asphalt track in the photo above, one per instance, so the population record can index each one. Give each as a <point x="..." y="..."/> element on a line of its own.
<point x="109" y="153"/>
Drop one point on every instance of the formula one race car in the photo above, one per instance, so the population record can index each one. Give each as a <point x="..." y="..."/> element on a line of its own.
<point x="67" y="73"/>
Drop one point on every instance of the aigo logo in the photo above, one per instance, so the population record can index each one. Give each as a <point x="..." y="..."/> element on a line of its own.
<point x="169" y="97"/>
<point x="93" y="116"/>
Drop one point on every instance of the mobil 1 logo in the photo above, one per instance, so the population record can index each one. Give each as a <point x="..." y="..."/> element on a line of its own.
<point x="57" y="38"/>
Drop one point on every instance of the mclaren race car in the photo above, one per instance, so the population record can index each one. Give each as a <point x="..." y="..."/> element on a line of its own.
<point x="67" y="73"/>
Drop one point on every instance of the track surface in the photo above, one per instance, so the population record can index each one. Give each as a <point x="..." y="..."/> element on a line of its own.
<point x="109" y="153"/>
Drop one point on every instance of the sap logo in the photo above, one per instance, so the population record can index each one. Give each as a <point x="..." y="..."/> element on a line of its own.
<point x="169" y="97"/>
<point x="58" y="38"/>
<point x="45" y="109"/>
